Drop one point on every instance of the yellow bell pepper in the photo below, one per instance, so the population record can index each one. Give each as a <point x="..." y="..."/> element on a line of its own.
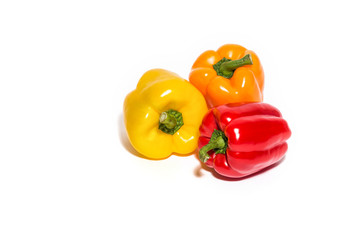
<point x="163" y="115"/>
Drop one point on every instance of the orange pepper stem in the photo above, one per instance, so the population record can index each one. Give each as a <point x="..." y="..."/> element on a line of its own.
<point x="170" y="121"/>
<point x="226" y="67"/>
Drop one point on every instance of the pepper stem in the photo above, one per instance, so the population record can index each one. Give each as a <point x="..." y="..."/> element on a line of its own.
<point x="218" y="143"/>
<point x="170" y="121"/>
<point x="226" y="67"/>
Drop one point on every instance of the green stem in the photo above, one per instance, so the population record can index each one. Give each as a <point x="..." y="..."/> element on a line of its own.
<point x="218" y="143"/>
<point x="226" y="67"/>
<point x="170" y="121"/>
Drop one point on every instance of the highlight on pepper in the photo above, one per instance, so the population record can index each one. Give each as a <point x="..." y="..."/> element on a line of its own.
<point x="163" y="115"/>
<point x="232" y="74"/>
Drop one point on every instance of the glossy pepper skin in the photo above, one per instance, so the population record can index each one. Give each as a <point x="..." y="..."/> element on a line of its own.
<point x="238" y="140"/>
<point x="223" y="81"/>
<point x="163" y="115"/>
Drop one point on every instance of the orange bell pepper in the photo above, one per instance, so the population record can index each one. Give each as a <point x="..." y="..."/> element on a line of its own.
<point x="232" y="74"/>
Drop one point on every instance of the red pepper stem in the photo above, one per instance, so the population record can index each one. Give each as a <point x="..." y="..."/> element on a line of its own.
<point x="216" y="143"/>
<point x="227" y="68"/>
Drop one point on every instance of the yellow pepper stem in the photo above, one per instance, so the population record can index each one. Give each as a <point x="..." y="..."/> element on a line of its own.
<point x="226" y="67"/>
<point x="170" y="121"/>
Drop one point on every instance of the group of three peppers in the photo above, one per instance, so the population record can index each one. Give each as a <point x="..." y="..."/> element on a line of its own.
<point x="220" y="112"/>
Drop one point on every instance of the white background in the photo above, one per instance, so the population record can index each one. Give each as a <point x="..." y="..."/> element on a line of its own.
<point x="67" y="170"/>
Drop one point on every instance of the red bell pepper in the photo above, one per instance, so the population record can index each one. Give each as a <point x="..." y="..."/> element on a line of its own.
<point x="238" y="140"/>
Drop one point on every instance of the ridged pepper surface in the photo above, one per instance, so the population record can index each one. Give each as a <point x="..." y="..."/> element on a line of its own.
<point x="238" y="140"/>
<point x="232" y="74"/>
<point x="163" y="115"/>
